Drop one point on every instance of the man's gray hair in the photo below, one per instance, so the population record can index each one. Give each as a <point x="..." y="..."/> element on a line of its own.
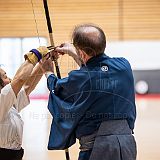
<point x="89" y="38"/>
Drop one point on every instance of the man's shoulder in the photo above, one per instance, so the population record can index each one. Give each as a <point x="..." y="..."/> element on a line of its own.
<point x="120" y="60"/>
<point x="109" y="58"/>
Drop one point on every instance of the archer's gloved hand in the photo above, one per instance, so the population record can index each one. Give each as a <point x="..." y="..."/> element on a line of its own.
<point x="35" y="55"/>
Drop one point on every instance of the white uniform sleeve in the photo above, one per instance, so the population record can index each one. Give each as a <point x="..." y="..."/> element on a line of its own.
<point x="22" y="100"/>
<point x="7" y="99"/>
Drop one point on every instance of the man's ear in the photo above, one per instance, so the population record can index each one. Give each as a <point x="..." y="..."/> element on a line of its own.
<point x="82" y="55"/>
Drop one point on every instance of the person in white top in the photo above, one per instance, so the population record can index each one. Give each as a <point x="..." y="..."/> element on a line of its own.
<point x="13" y="98"/>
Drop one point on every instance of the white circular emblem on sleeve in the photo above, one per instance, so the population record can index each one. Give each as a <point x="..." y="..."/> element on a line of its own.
<point x="104" y="68"/>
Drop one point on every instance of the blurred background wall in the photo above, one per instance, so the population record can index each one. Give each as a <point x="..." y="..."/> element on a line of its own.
<point x="120" y="19"/>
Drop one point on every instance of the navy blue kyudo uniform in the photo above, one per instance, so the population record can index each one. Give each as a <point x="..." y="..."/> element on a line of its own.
<point x="101" y="90"/>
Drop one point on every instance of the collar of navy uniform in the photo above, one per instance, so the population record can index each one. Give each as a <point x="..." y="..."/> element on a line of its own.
<point x="95" y="59"/>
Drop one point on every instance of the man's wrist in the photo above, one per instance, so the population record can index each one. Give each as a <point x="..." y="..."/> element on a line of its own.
<point x="48" y="73"/>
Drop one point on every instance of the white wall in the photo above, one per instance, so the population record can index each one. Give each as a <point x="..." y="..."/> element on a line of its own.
<point x="141" y="54"/>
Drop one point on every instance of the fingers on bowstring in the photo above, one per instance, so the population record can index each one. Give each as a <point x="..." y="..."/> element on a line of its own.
<point x="52" y="47"/>
<point x="47" y="56"/>
<point x="51" y="54"/>
<point x="62" y="45"/>
<point x="54" y="51"/>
